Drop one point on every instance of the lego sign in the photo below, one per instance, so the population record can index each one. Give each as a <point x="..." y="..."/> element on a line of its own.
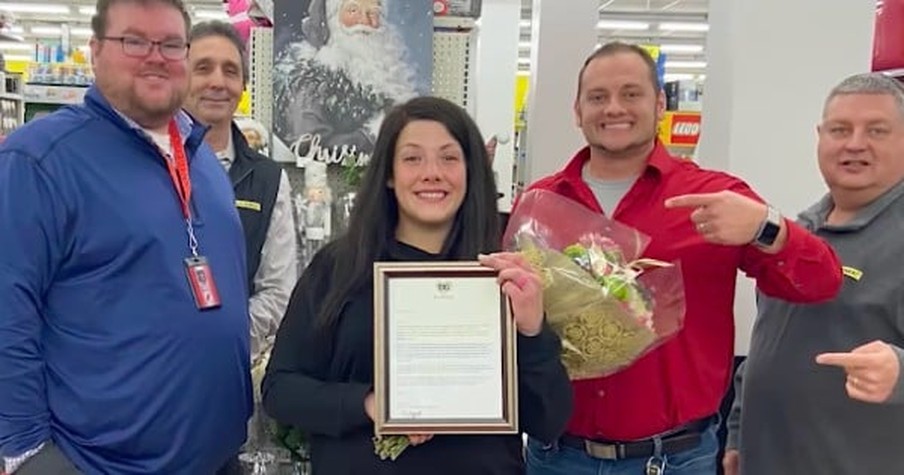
<point x="680" y="129"/>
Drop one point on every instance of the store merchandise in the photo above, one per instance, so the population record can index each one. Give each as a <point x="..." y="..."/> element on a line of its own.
<point x="684" y="95"/>
<point x="458" y="8"/>
<point x="888" y="43"/>
<point x="9" y="115"/>
<point x="12" y="107"/>
<point x="314" y="210"/>
<point x="60" y="73"/>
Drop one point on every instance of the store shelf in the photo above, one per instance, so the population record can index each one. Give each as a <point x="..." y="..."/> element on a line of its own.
<point x="895" y="73"/>
<point x="12" y="103"/>
<point x="456" y="23"/>
<point x="7" y="36"/>
<point x="261" y="77"/>
<point x="49" y="94"/>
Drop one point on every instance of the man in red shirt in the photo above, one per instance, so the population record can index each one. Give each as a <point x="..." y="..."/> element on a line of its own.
<point x="660" y="415"/>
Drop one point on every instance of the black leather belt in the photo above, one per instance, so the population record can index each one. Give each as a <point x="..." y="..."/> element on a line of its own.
<point x="680" y="440"/>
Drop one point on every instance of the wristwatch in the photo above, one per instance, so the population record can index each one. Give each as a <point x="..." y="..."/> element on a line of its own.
<point x="769" y="228"/>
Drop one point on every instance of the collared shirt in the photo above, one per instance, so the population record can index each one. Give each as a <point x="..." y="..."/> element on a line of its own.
<point x="184" y="123"/>
<point x="796" y="415"/>
<point x="685" y="378"/>
<point x="277" y="273"/>
<point x="99" y="271"/>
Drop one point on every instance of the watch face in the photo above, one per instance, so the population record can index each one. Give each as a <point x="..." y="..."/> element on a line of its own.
<point x="769" y="234"/>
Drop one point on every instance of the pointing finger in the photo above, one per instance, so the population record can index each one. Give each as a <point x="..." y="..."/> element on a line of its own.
<point x="845" y="360"/>
<point x="692" y="200"/>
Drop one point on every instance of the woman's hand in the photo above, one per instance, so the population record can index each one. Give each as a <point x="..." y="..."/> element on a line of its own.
<point x="418" y="439"/>
<point x="523" y="287"/>
<point x="370" y="404"/>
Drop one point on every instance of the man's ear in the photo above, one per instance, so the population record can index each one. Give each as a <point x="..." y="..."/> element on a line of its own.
<point x="577" y="112"/>
<point x="660" y="106"/>
<point x="94" y="45"/>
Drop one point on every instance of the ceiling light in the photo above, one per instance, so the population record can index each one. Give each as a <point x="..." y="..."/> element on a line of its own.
<point x="524" y="23"/>
<point x="684" y="26"/>
<point x="678" y="77"/>
<point x="46" y="30"/>
<point x="34" y="8"/>
<point x="622" y="25"/>
<point x="57" y="31"/>
<point x="524" y="45"/>
<point x="681" y="48"/>
<point x="685" y="64"/>
<point x="211" y="14"/>
<point x="89" y="11"/>
<point x="13" y="46"/>
<point x="15" y="29"/>
<point x="523" y="60"/>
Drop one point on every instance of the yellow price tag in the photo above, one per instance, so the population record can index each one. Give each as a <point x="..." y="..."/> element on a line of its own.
<point x="244" y="106"/>
<point x="855" y="274"/>
<point x="653" y="50"/>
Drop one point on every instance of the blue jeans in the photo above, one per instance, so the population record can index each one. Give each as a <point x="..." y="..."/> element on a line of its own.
<point x="556" y="459"/>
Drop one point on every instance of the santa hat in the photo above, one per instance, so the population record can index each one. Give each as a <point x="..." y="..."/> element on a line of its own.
<point x="315" y="27"/>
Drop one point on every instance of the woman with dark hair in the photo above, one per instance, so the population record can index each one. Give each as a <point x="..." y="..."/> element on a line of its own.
<point x="427" y="195"/>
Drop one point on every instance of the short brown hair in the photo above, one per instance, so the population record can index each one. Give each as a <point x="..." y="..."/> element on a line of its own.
<point x="617" y="47"/>
<point x="99" y="20"/>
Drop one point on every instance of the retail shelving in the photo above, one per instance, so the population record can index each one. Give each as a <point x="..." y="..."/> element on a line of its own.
<point x="12" y="102"/>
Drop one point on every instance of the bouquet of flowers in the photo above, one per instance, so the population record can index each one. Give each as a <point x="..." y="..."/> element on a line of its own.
<point x="609" y="305"/>
<point x="390" y="446"/>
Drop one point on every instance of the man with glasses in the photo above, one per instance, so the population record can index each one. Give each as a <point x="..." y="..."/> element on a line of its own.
<point x="124" y="325"/>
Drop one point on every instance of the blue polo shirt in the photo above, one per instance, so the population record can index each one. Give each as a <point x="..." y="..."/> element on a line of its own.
<point x="102" y="348"/>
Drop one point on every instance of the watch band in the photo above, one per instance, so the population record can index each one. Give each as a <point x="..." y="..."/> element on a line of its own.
<point x="769" y="228"/>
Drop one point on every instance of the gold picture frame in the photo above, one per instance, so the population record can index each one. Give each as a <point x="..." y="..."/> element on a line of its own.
<point x="444" y="350"/>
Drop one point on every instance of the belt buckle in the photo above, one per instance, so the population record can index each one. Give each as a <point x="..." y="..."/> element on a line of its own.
<point x="602" y="451"/>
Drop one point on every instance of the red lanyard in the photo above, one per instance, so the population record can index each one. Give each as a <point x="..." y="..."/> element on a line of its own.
<point x="178" y="169"/>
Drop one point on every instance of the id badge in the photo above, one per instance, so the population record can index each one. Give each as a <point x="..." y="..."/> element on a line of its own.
<point x="200" y="279"/>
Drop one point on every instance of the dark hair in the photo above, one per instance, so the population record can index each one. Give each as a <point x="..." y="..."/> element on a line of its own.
<point x="99" y="20"/>
<point x="223" y="30"/>
<point x="376" y="213"/>
<point x="617" y="47"/>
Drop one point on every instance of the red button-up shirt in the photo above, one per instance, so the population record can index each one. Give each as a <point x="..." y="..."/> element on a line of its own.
<point x="685" y="378"/>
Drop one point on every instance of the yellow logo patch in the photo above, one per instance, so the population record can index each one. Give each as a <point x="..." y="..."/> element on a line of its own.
<point x="252" y="205"/>
<point x="855" y="274"/>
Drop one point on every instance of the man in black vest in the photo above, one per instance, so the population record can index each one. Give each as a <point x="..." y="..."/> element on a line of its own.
<point x="218" y="69"/>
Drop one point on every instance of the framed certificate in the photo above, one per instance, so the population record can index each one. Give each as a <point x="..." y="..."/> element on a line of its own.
<point x="444" y="350"/>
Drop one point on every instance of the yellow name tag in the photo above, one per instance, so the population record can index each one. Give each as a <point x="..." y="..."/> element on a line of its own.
<point x="855" y="274"/>
<point x="253" y="206"/>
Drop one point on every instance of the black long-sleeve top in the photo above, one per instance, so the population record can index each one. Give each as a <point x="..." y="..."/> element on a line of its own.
<point x="318" y="383"/>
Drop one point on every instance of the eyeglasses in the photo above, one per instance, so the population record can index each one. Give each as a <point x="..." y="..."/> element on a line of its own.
<point x="136" y="47"/>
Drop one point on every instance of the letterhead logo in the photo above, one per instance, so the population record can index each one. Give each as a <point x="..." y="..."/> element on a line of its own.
<point x="443" y="289"/>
